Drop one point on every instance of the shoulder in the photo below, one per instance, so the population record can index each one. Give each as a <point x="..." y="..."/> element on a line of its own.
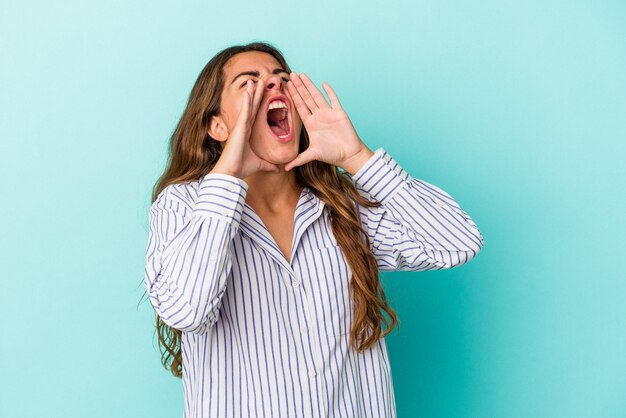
<point x="178" y="196"/>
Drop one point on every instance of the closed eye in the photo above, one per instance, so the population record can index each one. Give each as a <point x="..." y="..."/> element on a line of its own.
<point x="254" y="81"/>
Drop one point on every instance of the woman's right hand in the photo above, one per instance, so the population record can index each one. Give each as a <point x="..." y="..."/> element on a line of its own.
<point x="237" y="157"/>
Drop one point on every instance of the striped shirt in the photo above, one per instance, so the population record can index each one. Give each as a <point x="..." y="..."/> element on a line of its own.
<point x="264" y="337"/>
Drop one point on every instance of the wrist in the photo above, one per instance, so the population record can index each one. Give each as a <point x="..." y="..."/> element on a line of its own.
<point x="353" y="164"/>
<point x="219" y="170"/>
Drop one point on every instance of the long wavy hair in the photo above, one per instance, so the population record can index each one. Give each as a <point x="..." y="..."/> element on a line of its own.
<point x="193" y="153"/>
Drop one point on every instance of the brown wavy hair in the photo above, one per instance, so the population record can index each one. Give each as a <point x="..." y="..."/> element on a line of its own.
<point x="193" y="153"/>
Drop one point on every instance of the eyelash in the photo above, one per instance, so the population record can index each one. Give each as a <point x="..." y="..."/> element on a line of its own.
<point x="254" y="81"/>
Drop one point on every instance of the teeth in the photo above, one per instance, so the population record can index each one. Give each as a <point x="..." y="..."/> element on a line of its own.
<point x="277" y="104"/>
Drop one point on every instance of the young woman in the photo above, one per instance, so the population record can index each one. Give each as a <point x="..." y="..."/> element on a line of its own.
<point x="267" y="233"/>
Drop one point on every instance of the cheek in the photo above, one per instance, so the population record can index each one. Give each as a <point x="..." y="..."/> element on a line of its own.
<point x="297" y="122"/>
<point x="230" y="108"/>
<point x="297" y="125"/>
<point x="295" y="117"/>
<point x="233" y="114"/>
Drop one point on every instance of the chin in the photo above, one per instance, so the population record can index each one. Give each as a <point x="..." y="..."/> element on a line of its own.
<point x="282" y="156"/>
<point x="273" y="151"/>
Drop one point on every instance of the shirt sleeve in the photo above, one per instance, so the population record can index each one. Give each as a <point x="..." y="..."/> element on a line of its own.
<point x="418" y="226"/>
<point x="188" y="256"/>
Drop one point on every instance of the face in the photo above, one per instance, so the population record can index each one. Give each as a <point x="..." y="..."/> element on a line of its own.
<point x="269" y="125"/>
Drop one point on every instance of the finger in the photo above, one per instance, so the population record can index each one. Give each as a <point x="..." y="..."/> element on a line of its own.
<point x="334" y="101"/>
<point x="258" y="95"/>
<point x="245" y="105"/>
<point x="317" y="95"/>
<point x="302" y="158"/>
<point x="250" y="90"/>
<point x="301" y="107"/>
<point x="304" y="92"/>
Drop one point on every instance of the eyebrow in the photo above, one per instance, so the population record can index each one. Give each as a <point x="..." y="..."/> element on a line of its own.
<point x="256" y="73"/>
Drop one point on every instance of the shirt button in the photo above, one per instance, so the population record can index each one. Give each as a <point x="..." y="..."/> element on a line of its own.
<point x="312" y="374"/>
<point x="440" y="204"/>
<point x="232" y="188"/>
<point x="295" y="283"/>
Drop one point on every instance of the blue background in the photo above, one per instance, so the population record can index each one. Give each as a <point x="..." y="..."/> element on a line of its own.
<point x="517" y="109"/>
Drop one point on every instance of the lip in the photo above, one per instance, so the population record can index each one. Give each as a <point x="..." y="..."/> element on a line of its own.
<point x="283" y="98"/>
<point x="277" y="97"/>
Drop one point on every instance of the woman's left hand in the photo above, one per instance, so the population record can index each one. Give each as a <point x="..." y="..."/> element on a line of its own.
<point x="332" y="137"/>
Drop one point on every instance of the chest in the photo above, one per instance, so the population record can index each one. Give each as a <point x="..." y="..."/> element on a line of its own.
<point x="310" y="292"/>
<point x="280" y="227"/>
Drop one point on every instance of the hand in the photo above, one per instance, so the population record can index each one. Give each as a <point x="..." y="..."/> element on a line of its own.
<point x="237" y="157"/>
<point x="332" y="137"/>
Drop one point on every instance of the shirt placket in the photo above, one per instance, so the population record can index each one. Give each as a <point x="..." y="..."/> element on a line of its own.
<point x="308" y="210"/>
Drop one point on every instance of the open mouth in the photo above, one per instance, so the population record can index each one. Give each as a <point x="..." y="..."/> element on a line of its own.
<point x="278" y="118"/>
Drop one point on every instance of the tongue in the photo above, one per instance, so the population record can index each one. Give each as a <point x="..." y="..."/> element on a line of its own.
<point x="280" y="128"/>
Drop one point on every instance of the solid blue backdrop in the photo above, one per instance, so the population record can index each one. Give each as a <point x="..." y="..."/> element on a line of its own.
<point x="517" y="109"/>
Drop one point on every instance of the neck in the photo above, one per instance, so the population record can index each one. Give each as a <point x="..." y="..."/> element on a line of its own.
<point x="272" y="192"/>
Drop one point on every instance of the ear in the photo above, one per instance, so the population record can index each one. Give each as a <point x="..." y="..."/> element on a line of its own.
<point x="218" y="129"/>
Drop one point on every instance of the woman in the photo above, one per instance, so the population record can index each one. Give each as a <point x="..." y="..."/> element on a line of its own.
<point x="263" y="256"/>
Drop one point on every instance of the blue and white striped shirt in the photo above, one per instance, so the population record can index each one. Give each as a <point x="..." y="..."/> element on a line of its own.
<point x="264" y="337"/>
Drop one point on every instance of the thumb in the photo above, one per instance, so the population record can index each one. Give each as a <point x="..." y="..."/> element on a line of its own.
<point x="302" y="158"/>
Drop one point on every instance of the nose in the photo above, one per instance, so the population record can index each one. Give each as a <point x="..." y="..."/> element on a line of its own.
<point x="275" y="82"/>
